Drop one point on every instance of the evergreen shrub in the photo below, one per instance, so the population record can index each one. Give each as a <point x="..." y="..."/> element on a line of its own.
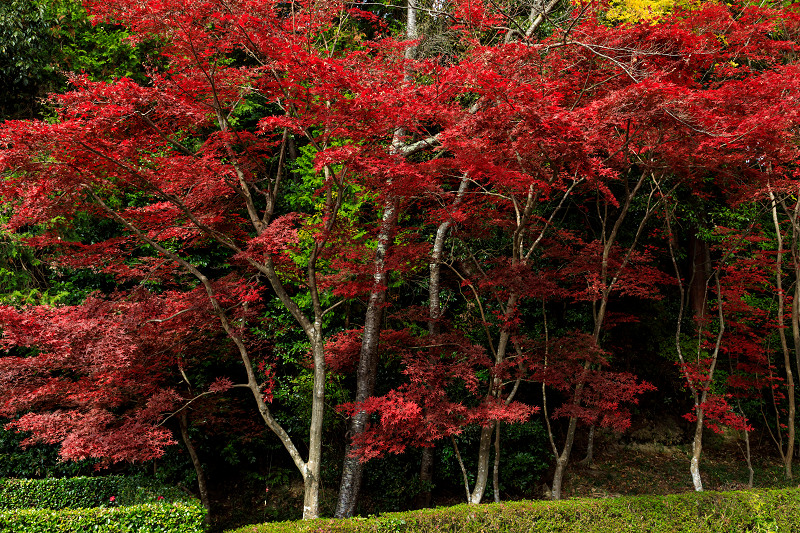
<point x="82" y="492"/>
<point x="175" y="517"/>
<point x="704" y="512"/>
<point x="108" y="504"/>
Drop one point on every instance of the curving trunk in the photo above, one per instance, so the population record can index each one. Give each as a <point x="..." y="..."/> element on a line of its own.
<point x="202" y="484"/>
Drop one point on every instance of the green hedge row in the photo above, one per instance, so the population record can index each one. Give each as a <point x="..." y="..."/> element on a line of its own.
<point x="81" y="492"/>
<point x="705" y="512"/>
<point x="156" y="518"/>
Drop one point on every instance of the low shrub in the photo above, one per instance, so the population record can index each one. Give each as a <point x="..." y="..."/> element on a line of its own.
<point x="704" y="512"/>
<point x="82" y="492"/>
<point x="175" y="517"/>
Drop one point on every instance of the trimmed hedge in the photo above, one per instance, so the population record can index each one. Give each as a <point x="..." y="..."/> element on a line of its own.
<point x="81" y="492"/>
<point x="704" y="512"/>
<point x="57" y="493"/>
<point x="108" y="504"/>
<point x="156" y="518"/>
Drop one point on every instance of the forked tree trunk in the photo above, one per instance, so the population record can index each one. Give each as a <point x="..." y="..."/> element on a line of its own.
<point x="563" y="459"/>
<point x="700" y="398"/>
<point x="475" y="495"/>
<point x="698" y="389"/>
<point x="609" y="279"/>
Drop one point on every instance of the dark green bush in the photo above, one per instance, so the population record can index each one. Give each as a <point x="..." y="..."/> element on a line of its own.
<point x="82" y="492"/>
<point x="706" y="512"/>
<point x="149" y="518"/>
<point x="37" y="460"/>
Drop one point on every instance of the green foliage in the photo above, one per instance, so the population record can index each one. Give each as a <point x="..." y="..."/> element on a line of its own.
<point x="36" y="461"/>
<point x="151" y="518"/>
<point x="391" y="482"/>
<point x="83" y="492"/>
<point x="704" y="512"/>
<point x="55" y="493"/>
<point x="41" y="40"/>
<point x="524" y="457"/>
<point x="25" y="49"/>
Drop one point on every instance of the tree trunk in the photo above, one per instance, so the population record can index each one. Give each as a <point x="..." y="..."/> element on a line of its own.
<point x="748" y="458"/>
<point x="589" y="448"/>
<point x="423" y="499"/>
<point x="202" y="485"/>
<point x="788" y="455"/>
<point x="482" y="478"/>
<point x="352" y="469"/>
<point x="496" y="469"/>
<point x="563" y="459"/>
<point x="701" y="271"/>
<point x="697" y="449"/>
<point x="311" y="475"/>
<point x="311" y="491"/>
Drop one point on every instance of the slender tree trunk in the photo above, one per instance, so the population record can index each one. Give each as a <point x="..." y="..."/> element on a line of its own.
<point x="610" y="279"/>
<point x="313" y="467"/>
<point x="563" y="459"/>
<point x="747" y="455"/>
<point x="589" y="448"/>
<point x="423" y="499"/>
<point x="699" y="251"/>
<point x="749" y="459"/>
<point x="697" y="449"/>
<point x="461" y="465"/>
<point x="788" y="455"/>
<point x="698" y="394"/>
<point x="484" y="453"/>
<point x="202" y="485"/>
<point x="496" y="469"/>
<point x="435" y="310"/>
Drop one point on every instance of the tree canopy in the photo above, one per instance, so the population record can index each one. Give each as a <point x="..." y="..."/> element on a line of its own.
<point x="442" y="215"/>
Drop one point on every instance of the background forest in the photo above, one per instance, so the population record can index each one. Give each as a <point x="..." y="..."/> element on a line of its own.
<point x="323" y="258"/>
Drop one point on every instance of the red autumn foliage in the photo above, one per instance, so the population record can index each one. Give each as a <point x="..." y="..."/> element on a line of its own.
<point x="99" y="378"/>
<point x="573" y="119"/>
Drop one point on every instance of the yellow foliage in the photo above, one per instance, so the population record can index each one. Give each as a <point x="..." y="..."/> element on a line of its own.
<point x="646" y="10"/>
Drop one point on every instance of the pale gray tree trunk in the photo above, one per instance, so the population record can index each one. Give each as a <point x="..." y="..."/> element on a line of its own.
<point x="699" y="391"/>
<point x="787" y="455"/>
